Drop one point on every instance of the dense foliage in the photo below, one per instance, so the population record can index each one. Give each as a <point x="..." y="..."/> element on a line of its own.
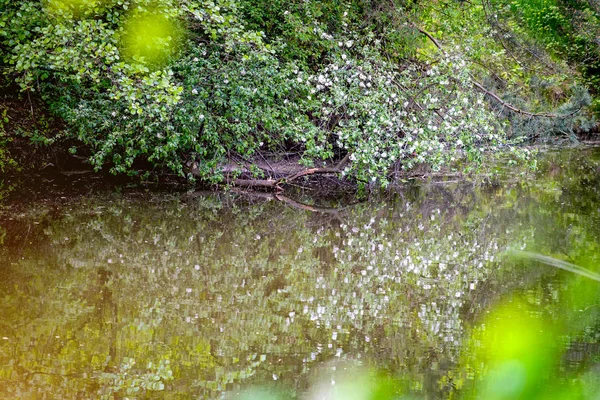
<point x="190" y="85"/>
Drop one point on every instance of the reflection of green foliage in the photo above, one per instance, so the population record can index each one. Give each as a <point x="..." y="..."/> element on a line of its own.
<point x="176" y="296"/>
<point x="226" y="291"/>
<point x="130" y="384"/>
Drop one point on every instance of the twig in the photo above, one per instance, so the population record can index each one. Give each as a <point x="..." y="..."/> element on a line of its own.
<point x="429" y="36"/>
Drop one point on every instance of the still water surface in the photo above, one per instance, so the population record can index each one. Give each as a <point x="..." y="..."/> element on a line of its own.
<point x="137" y="294"/>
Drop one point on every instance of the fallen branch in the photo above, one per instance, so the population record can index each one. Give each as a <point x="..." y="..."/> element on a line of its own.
<point x="309" y="171"/>
<point x="316" y="171"/>
<point x="263" y="183"/>
<point x="277" y="184"/>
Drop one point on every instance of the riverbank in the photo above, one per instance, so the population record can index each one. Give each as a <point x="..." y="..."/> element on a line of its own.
<point x="36" y="151"/>
<point x="52" y="188"/>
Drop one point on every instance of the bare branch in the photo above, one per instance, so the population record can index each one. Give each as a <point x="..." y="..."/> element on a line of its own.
<point x="492" y="94"/>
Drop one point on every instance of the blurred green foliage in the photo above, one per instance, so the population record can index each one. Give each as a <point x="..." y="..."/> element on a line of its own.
<point x="150" y="39"/>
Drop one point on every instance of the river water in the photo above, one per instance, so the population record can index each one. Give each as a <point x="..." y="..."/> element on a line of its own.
<point x="433" y="290"/>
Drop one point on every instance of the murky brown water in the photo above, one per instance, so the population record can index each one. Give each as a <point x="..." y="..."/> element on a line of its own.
<point x="153" y="295"/>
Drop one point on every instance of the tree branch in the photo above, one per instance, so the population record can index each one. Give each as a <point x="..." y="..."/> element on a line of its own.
<point x="492" y="94"/>
<point x="276" y="184"/>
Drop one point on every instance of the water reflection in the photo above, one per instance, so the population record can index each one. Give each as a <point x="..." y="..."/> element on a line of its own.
<point x="177" y="296"/>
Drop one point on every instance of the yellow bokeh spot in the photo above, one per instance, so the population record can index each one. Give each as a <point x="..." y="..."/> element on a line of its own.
<point x="151" y="39"/>
<point x="519" y="347"/>
<point x="73" y="8"/>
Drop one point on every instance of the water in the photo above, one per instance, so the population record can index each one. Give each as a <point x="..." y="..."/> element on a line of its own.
<point x="144" y="294"/>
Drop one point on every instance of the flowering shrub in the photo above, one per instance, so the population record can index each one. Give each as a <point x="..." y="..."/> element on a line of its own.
<point x="387" y="116"/>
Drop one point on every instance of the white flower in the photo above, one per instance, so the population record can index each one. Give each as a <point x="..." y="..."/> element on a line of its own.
<point x="194" y="91"/>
